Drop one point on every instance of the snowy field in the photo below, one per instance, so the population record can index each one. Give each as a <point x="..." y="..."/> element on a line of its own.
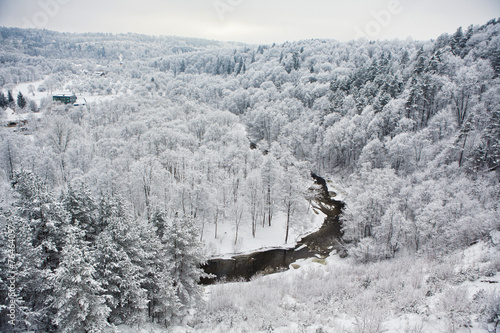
<point x="30" y="91"/>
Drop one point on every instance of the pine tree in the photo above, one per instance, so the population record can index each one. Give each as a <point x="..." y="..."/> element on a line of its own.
<point x="43" y="220"/>
<point x="296" y="61"/>
<point x="21" y="101"/>
<point x="82" y="209"/>
<point x="78" y="296"/>
<point x="159" y="221"/>
<point x="18" y="255"/>
<point x="10" y="99"/>
<point x="119" y="275"/>
<point x="45" y="215"/>
<point x="119" y="255"/>
<point x="151" y="256"/>
<point x="458" y="42"/>
<point x="240" y="66"/>
<point x="183" y="250"/>
<point x="3" y="100"/>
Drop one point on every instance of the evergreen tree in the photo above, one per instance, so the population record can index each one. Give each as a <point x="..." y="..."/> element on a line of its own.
<point x="152" y="257"/>
<point x="10" y="99"/>
<point x="18" y="256"/>
<point x="118" y="274"/>
<point x="458" y="42"/>
<point x="3" y="100"/>
<point x="46" y="216"/>
<point x="78" y="296"/>
<point x="239" y="68"/>
<point x="183" y="250"/>
<point x="119" y="255"/>
<point x="159" y="221"/>
<point x="21" y="101"/>
<point x="296" y="61"/>
<point x="82" y="209"/>
<point x="44" y="222"/>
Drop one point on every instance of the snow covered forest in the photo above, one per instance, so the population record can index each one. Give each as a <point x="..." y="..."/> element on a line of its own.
<point x="187" y="149"/>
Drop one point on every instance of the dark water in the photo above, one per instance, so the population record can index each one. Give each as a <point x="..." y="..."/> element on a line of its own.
<point x="244" y="267"/>
<point x="319" y="243"/>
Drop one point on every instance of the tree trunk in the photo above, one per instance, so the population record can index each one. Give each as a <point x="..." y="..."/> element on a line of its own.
<point x="462" y="152"/>
<point x="289" y="207"/>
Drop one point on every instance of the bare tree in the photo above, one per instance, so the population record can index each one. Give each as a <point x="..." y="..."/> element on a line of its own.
<point x="60" y="134"/>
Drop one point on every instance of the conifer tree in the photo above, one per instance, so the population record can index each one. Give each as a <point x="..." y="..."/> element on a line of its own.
<point x="3" y="100"/>
<point x="42" y="229"/>
<point x="46" y="216"/>
<point x="119" y="251"/>
<point x="82" y="210"/>
<point x="78" y="298"/>
<point x="182" y="248"/>
<point x="155" y="263"/>
<point x="21" y="101"/>
<point x="19" y="257"/>
<point x="10" y="99"/>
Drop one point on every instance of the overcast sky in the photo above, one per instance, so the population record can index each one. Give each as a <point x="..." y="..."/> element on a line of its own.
<point x="253" y="21"/>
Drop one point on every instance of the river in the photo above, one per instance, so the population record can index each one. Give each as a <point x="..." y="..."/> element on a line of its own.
<point x="317" y="244"/>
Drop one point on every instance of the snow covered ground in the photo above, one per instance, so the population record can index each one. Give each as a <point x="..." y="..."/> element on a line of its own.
<point x="30" y="91"/>
<point x="408" y="294"/>
<point x="12" y="116"/>
<point x="266" y="237"/>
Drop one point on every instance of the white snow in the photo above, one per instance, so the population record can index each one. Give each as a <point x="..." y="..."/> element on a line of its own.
<point x="37" y="96"/>
<point x="10" y="116"/>
<point x="435" y="313"/>
<point x="266" y="237"/>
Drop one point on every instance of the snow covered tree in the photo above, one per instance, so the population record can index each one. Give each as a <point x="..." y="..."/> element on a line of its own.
<point x="59" y="135"/>
<point x="119" y="274"/>
<point x="44" y="213"/>
<point x="43" y="230"/>
<point x="82" y="209"/>
<point x="156" y="269"/>
<point x="78" y="298"/>
<point x="254" y="197"/>
<point x="10" y="153"/>
<point x="183" y="254"/>
<point x="269" y="172"/>
<point x="292" y="194"/>
<point x="18" y="256"/>
<point x="373" y="153"/>
<point x="458" y="41"/>
<point x="147" y="171"/>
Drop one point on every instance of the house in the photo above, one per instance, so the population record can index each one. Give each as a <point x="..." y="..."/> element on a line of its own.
<point x="13" y="119"/>
<point x="80" y="102"/>
<point x="64" y="98"/>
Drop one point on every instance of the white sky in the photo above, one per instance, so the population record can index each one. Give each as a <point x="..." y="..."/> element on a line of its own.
<point x="253" y="21"/>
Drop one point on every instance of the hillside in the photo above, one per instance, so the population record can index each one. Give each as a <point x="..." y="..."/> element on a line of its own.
<point x="187" y="149"/>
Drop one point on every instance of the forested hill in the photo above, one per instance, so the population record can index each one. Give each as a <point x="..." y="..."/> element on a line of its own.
<point x="407" y="131"/>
